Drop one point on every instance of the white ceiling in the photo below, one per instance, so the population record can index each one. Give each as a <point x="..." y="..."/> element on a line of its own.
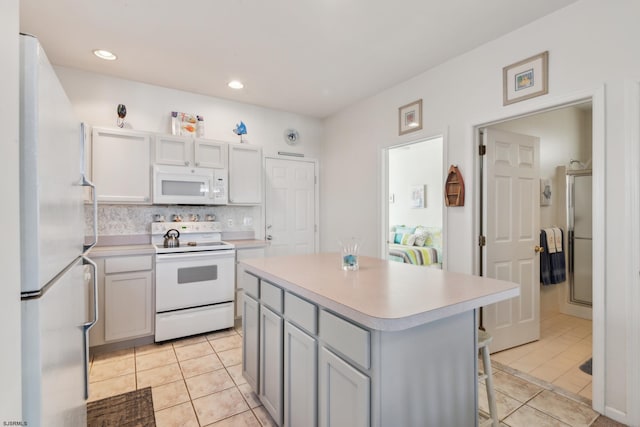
<point x="312" y="57"/>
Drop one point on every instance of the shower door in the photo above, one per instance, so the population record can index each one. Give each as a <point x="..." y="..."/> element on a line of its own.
<point x="580" y="243"/>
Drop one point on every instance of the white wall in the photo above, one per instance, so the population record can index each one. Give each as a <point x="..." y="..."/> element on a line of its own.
<point x="591" y="44"/>
<point x="410" y="165"/>
<point x="95" y="98"/>
<point x="11" y="389"/>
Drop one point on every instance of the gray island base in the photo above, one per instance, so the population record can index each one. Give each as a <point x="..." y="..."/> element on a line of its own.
<point x="390" y="344"/>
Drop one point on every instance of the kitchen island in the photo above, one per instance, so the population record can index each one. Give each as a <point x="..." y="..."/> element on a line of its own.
<point x="388" y="344"/>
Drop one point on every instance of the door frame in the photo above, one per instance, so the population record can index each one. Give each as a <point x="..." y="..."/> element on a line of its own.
<point x="597" y="98"/>
<point x="316" y="190"/>
<point x="384" y="194"/>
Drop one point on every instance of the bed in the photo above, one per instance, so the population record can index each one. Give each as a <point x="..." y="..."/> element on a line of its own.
<point x="416" y="245"/>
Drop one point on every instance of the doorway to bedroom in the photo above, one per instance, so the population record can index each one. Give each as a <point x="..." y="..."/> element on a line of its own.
<point x="414" y="212"/>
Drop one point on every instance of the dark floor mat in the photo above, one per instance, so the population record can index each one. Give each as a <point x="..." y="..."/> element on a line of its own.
<point x="133" y="409"/>
<point x="586" y="367"/>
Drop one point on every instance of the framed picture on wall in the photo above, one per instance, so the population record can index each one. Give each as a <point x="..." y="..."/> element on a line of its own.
<point x="416" y="196"/>
<point x="410" y="117"/>
<point x="545" y="192"/>
<point x="526" y="79"/>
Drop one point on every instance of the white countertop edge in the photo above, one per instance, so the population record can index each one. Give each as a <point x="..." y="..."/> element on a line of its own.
<point x="382" y="324"/>
<point x="104" y="251"/>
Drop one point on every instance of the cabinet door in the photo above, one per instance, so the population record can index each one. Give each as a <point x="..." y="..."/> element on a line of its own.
<point x="300" y="379"/>
<point x="245" y="174"/>
<point x="210" y="154"/>
<point x="241" y="278"/>
<point x="343" y="393"/>
<point x="174" y="150"/>
<point x="121" y="166"/>
<point x="250" y="340"/>
<point x="128" y="305"/>
<point x="270" y="390"/>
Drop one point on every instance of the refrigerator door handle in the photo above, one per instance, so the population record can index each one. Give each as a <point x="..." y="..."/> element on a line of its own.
<point x="87" y="183"/>
<point x="89" y="325"/>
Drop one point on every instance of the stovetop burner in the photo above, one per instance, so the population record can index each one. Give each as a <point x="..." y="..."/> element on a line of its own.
<point x="194" y="236"/>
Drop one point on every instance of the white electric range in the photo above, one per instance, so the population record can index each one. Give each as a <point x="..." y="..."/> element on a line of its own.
<point x="195" y="281"/>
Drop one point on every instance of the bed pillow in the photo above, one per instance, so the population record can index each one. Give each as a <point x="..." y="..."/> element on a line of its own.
<point x="405" y="230"/>
<point x="420" y="239"/>
<point x="408" y="239"/>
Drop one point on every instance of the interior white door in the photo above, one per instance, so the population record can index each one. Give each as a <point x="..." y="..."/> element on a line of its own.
<point x="512" y="229"/>
<point x="290" y="207"/>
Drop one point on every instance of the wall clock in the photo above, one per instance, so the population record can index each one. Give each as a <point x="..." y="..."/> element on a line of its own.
<point x="291" y="136"/>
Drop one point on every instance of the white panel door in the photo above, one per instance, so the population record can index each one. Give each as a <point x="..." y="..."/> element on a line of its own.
<point x="290" y="207"/>
<point x="512" y="229"/>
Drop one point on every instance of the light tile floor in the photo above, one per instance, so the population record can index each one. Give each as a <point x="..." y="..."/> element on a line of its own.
<point x="523" y="401"/>
<point x="197" y="381"/>
<point x="565" y="344"/>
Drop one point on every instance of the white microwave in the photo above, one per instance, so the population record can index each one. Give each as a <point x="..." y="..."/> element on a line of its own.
<point x="183" y="185"/>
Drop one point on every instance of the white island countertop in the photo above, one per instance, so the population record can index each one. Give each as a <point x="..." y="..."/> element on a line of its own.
<point x="381" y="295"/>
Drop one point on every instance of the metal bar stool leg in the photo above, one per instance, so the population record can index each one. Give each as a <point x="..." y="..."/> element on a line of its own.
<point x="483" y="344"/>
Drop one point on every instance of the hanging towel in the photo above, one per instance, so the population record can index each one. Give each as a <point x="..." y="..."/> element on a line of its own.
<point x="552" y="264"/>
<point x="551" y="241"/>
<point x="558" y="239"/>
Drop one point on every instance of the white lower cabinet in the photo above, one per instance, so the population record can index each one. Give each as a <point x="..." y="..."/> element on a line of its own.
<point x="250" y="340"/>
<point x="300" y="382"/>
<point x="241" y="278"/>
<point x="300" y="379"/>
<point x="128" y="309"/>
<point x="343" y="393"/>
<point x="271" y="352"/>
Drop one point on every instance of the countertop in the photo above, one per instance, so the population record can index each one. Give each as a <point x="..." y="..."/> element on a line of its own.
<point x="132" y="246"/>
<point x="381" y="295"/>
<point x="122" y="250"/>
<point x="249" y="243"/>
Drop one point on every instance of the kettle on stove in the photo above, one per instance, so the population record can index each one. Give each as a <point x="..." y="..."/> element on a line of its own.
<point x="171" y="239"/>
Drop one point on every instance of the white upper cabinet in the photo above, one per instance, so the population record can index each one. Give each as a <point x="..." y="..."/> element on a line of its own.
<point x="210" y="154"/>
<point x="187" y="151"/>
<point x="245" y="174"/>
<point x="121" y="165"/>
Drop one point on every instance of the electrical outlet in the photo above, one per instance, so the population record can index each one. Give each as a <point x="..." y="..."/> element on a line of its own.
<point x="247" y="221"/>
<point x="230" y="222"/>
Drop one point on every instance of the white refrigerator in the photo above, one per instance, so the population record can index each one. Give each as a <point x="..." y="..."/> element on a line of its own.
<point x="55" y="307"/>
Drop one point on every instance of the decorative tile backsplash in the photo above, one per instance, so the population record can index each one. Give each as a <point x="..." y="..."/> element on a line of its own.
<point x="123" y="220"/>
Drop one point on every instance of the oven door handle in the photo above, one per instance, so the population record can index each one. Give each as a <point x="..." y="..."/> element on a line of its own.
<point x="195" y="255"/>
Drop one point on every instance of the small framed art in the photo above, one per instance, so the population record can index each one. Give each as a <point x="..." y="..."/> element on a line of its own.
<point x="410" y="117"/>
<point x="416" y="196"/>
<point x="526" y="79"/>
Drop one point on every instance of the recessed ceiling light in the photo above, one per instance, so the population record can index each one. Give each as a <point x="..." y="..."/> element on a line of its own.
<point x="104" y="54"/>
<point x="235" y="84"/>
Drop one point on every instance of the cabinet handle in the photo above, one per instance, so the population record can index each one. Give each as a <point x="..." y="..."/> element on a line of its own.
<point x="197" y="163"/>
<point x="86" y="183"/>
<point x="186" y="162"/>
<point x="89" y="325"/>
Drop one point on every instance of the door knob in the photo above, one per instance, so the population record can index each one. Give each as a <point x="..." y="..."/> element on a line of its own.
<point x="538" y="249"/>
<point x="269" y="237"/>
